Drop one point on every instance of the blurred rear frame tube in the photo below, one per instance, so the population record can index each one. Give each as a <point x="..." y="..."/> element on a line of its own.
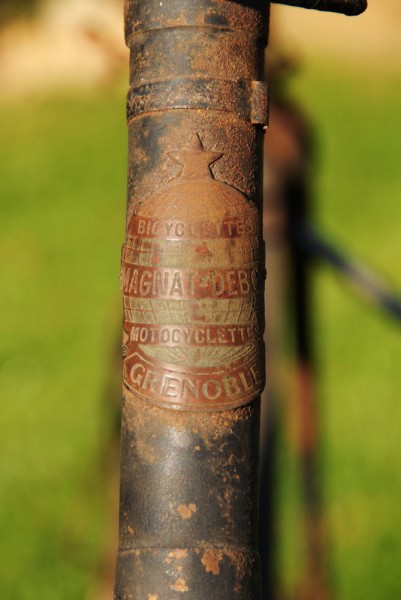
<point x="192" y="280"/>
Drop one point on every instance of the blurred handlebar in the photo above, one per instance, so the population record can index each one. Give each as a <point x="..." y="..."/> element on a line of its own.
<point x="347" y="7"/>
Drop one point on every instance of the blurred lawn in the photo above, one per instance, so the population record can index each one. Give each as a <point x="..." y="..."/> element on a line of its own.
<point x="63" y="165"/>
<point x="357" y="122"/>
<point x="62" y="182"/>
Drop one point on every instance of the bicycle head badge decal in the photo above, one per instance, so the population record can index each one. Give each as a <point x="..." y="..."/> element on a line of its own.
<point x="192" y="280"/>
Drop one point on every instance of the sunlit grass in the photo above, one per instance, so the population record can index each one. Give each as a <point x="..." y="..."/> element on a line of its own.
<point x="358" y="206"/>
<point x="62" y="187"/>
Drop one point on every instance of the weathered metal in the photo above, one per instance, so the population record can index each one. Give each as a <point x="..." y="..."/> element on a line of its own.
<point x="192" y="280"/>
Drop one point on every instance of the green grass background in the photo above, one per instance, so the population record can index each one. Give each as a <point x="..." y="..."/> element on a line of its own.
<point x="62" y="184"/>
<point x="357" y="204"/>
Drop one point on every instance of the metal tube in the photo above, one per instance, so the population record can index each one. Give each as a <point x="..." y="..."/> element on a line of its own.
<point x="192" y="280"/>
<point x="350" y="8"/>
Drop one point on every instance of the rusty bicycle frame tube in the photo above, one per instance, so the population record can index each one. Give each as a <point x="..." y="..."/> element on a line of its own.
<point x="192" y="280"/>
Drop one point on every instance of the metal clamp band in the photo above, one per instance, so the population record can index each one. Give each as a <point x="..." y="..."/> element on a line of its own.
<point x="246" y="99"/>
<point x="144" y="16"/>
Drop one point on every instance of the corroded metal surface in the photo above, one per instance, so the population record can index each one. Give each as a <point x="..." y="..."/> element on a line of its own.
<point x="192" y="280"/>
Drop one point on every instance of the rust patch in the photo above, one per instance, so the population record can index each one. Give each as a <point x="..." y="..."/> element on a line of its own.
<point x="178" y="22"/>
<point x="176" y="555"/>
<point x="185" y="511"/>
<point x="211" y="559"/>
<point x="180" y="585"/>
<point x="179" y="553"/>
<point x="209" y="426"/>
<point x="243" y="564"/>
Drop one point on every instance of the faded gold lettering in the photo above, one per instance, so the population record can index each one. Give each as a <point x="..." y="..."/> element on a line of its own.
<point x="176" y="286"/>
<point x="180" y="229"/>
<point x="170" y="386"/>
<point x="136" y="374"/>
<point x="231" y="386"/>
<point x="243" y="282"/>
<point x="211" y="389"/>
<point x="141" y="226"/>
<point x="231" y="284"/>
<point x="191" y="387"/>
